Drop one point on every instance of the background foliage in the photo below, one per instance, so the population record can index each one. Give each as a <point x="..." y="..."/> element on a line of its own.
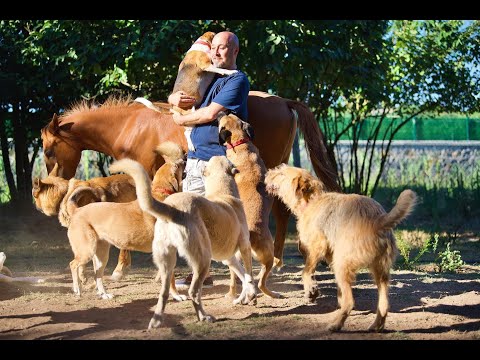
<point x="341" y="69"/>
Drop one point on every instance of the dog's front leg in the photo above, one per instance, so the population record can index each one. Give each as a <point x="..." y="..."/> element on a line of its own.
<point x="312" y="257"/>
<point x="214" y="69"/>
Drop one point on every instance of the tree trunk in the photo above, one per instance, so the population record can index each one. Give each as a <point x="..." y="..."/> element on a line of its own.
<point x="19" y="137"/>
<point x="6" y="159"/>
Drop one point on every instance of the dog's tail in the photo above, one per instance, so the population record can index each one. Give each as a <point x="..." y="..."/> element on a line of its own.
<point x="81" y="196"/>
<point x="143" y="187"/>
<point x="316" y="145"/>
<point x="405" y="204"/>
<point x="170" y="151"/>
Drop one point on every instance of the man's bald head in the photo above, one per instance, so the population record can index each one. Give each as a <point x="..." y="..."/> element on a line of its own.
<point x="225" y="47"/>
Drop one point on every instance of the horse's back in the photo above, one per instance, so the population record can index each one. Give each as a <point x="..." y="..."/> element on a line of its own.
<point x="274" y="126"/>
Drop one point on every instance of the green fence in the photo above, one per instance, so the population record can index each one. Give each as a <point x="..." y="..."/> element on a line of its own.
<point x="442" y="128"/>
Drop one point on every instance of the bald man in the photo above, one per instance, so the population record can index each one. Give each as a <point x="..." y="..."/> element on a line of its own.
<point x="226" y="93"/>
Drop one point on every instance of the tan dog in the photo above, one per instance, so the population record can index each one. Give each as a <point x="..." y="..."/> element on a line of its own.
<point x="199" y="228"/>
<point x="6" y="274"/>
<point x="96" y="226"/>
<point x="236" y="135"/>
<point x="54" y="195"/>
<point x="349" y="231"/>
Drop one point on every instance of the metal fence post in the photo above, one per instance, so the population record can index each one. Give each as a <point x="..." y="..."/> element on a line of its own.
<point x="414" y="129"/>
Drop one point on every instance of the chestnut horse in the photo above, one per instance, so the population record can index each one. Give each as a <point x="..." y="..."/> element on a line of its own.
<point x="123" y="128"/>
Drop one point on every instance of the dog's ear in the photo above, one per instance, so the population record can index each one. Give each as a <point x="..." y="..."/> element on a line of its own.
<point x="248" y="129"/>
<point x="36" y="187"/>
<point x="54" y="171"/>
<point x="49" y="180"/>
<point x="220" y="115"/>
<point x="224" y="136"/>
<point x="303" y="187"/>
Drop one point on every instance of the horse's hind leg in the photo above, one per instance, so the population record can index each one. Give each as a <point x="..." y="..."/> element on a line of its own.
<point x="124" y="263"/>
<point x="281" y="214"/>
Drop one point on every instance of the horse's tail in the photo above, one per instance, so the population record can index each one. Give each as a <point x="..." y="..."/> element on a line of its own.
<point x="315" y="143"/>
<point x="143" y="186"/>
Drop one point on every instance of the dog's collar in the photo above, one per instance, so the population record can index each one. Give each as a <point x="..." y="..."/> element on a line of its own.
<point x="164" y="190"/>
<point x="239" y="142"/>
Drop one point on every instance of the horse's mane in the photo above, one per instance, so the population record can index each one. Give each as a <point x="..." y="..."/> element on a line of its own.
<point x="113" y="101"/>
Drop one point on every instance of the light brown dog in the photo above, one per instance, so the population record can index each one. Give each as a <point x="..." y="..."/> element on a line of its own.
<point x="54" y="195"/>
<point x="199" y="228"/>
<point x="349" y="231"/>
<point x="237" y="135"/>
<point x="96" y="226"/>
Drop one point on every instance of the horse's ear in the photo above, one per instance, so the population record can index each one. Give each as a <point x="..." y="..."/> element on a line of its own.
<point x="55" y="123"/>
<point x="54" y="171"/>
<point x="66" y="127"/>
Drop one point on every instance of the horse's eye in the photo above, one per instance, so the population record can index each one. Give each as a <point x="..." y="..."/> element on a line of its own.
<point x="48" y="153"/>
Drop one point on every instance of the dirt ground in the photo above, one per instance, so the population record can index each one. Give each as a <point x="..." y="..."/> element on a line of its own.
<point x="423" y="305"/>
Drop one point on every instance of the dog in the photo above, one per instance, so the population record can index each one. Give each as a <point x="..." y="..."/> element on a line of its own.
<point x="54" y="195"/>
<point x="200" y="228"/>
<point x="52" y="192"/>
<point x="7" y="276"/>
<point x="195" y="73"/>
<point x="237" y="135"/>
<point x="96" y="226"/>
<point x="348" y="231"/>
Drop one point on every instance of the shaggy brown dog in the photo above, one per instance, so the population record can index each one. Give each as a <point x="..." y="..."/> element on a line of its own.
<point x="236" y="135"/>
<point x="96" y="226"/>
<point x="53" y="193"/>
<point x="200" y="228"/>
<point x="349" y="231"/>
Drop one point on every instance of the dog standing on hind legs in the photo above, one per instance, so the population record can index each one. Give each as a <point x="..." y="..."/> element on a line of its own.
<point x="237" y="135"/>
<point x="349" y="231"/>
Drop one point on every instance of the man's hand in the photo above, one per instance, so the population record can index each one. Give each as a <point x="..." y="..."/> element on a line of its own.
<point x="177" y="118"/>
<point x="181" y="99"/>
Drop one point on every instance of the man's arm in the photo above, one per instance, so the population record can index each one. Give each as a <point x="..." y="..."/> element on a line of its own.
<point x="200" y="116"/>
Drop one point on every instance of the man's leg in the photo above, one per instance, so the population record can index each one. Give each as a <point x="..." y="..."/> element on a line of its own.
<point x="194" y="182"/>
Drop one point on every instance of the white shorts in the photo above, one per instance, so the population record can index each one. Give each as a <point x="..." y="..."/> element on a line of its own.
<point x="194" y="180"/>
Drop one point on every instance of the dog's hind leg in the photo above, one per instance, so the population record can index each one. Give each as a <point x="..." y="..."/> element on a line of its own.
<point x="249" y="293"/>
<point x="265" y="255"/>
<point x="345" y="277"/>
<point x="164" y="259"/>
<point x="200" y="272"/>
<point x="382" y="279"/>
<point x="100" y="260"/>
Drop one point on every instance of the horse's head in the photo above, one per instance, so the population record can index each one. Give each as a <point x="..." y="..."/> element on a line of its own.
<point x="59" y="148"/>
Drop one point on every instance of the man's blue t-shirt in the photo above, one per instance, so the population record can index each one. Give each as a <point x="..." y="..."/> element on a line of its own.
<point x="232" y="93"/>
